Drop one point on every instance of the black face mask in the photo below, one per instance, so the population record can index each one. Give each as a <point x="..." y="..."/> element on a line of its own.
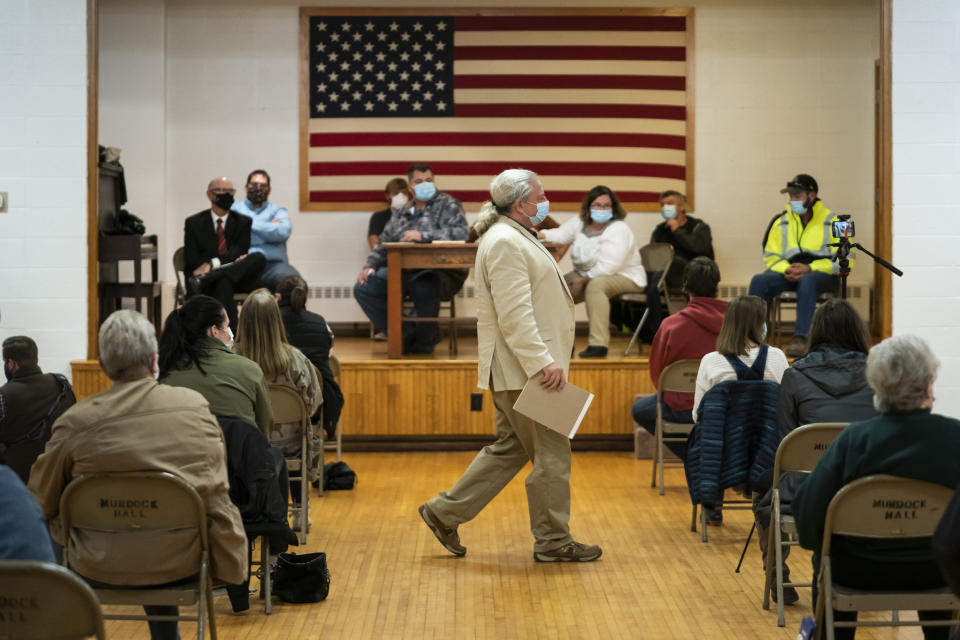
<point x="257" y="194"/>
<point x="224" y="201"/>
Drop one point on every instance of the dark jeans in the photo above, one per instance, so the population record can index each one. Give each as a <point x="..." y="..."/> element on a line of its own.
<point x="426" y="287"/>
<point x="645" y="414"/>
<point x="770" y="283"/>
<point x="236" y="277"/>
<point x="858" y="573"/>
<point x="159" y="630"/>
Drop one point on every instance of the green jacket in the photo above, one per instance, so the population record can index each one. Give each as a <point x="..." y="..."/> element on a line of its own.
<point x="911" y="444"/>
<point x="233" y="385"/>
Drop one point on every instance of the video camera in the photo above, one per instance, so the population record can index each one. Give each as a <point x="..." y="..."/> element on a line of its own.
<point x="843" y="227"/>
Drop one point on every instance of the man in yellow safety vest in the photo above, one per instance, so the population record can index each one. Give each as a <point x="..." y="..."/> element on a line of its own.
<point x="798" y="256"/>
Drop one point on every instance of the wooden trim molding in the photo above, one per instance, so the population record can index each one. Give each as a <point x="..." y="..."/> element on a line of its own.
<point x="883" y="224"/>
<point x="93" y="178"/>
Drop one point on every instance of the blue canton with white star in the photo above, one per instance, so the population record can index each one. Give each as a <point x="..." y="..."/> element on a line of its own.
<point x="381" y="66"/>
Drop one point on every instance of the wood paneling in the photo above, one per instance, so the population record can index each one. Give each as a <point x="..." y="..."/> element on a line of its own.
<point x="88" y="378"/>
<point x="93" y="176"/>
<point x="390" y="579"/>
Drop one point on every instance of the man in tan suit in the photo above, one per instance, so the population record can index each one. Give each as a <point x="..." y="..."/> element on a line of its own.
<point x="525" y="327"/>
<point x="139" y="425"/>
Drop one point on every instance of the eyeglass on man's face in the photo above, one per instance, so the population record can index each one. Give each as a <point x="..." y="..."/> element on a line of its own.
<point x="217" y="192"/>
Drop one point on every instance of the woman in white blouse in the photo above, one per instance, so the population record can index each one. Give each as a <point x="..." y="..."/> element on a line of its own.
<point x="606" y="261"/>
<point x="741" y="336"/>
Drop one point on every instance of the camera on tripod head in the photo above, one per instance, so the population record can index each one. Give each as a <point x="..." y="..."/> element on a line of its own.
<point x="843" y="227"/>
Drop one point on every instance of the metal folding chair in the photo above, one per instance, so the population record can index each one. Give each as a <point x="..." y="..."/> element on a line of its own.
<point x="676" y="377"/>
<point x="657" y="256"/>
<point x="287" y="407"/>
<point x="66" y="606"/>
<point x="799" y="451"/>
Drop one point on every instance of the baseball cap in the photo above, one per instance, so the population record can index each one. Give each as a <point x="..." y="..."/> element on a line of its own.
<point x="801" y="181"/>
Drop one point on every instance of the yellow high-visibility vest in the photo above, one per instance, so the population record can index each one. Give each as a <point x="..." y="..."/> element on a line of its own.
<point x="789" y="241"/>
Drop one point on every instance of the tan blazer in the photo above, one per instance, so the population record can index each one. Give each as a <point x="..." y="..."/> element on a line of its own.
<point x="524" y="309"/>
<point x="143" y="426"/>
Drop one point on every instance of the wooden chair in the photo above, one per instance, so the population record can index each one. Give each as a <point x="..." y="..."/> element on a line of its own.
<point x="65" y="605"/>
<point x="174" y="506"/>
<point x="336" y="445"/>
<point x="860" y="509"/>
<point x="288" y="407"/>
<point x="181" y="290"/>
<point x="657" y="256"/>
<point x="799" y="451"/>
<point x="676" y="377"/>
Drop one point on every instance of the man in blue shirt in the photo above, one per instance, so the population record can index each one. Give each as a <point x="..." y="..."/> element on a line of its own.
<point x="270" y="230"/>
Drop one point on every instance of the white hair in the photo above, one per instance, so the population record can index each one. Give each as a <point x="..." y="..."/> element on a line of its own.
<point x="508" y="187"/>
<point x="127" y="344"/>
<point x="899" y="370"/>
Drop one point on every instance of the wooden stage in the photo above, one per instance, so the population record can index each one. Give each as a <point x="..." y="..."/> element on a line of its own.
<point x="423" y="402"/>
<point x="390" y="578"/>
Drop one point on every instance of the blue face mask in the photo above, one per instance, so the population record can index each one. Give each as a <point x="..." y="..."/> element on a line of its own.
<point x="543" y="210"/>
<point x="668" y="211"/>
<point x="601" y="215"/>
<point x="424" y="190"/>
<point x="797" y="206"/>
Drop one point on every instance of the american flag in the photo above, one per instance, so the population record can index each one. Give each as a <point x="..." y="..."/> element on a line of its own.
<point x="580" y="99"/>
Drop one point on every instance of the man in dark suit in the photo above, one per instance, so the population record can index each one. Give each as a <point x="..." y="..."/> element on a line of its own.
<point x="215" y="245"/>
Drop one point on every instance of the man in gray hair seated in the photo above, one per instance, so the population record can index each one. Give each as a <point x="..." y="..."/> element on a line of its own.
<point x="139" y="425"/>
<point x="905" y="440"/>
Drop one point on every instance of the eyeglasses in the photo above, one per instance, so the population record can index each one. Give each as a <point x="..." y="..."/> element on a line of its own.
<point x="217" y="192"/>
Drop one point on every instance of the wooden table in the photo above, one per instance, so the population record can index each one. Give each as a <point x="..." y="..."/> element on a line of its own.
<point x="418" y="255"/>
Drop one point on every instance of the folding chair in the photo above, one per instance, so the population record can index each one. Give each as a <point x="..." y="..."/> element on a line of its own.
<point x="862" y="509"/>
<point x="180" y="293"/>
<point x="785" y="299"/>
<point x="656" y="256"/>
<point x="287" y="407"/>
<point x="65" y="605"/>
<point x="155" y="503"/>
<point x="799" y="451"/>
<point x="338" y="444"/>
<point x="676" y="377"/>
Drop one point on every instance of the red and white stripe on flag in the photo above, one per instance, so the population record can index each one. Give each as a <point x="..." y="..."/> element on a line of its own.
<point x="582" y="99"/>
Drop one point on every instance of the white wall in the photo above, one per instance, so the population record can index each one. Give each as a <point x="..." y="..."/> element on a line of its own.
<point x="926" y="172"/>
<point x="43" y="250"/>
<point x="781" y="88"/>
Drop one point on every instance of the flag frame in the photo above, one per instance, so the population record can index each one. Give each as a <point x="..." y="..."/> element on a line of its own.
<point x="560" y="206"/>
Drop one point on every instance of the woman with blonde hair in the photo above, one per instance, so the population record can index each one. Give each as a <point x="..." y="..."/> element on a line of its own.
<point x="261" y="338"/>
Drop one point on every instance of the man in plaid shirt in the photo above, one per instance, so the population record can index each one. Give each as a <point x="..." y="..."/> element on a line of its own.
<point x="431" y="216"/>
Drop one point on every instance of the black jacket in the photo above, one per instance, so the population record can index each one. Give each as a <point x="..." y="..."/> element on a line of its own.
<point x="200" y="239"/>
<point x="309" y="332"/>
<point x="257" y="472"/>
<point x="691" y="240"/>
<point x="826" y="385"/>
<point x="32" y="401"/>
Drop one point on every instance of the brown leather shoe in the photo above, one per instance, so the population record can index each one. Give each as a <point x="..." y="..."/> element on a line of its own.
<point x="447" y="536"/>
<point x="570" y="552"/>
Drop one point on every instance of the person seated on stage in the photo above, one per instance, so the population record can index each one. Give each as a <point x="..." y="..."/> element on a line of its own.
<point x="261" y="338"/>
<point x="606" y="261"/>
<point x="741" y="338"/>
<point x="139" y="425"/>
<point x="905" y="440"/>
<point x="828" y="384"/>
<point x="798" y="256"/>
<point x="311" y="334"/>
<point x="216" y="242"/>
<point x="397" y="195"/>
<point x="689" y="236"/>
<point x="688" y="334"/>
<point x="29" y="403"/>
<point x="432" y="216"/>
<point x="23" y="529"/>
<point x="195" y="353"/>
<point x="270" y="229"/>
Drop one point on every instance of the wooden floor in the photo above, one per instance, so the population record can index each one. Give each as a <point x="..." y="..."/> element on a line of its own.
<point x="391" y="579"/>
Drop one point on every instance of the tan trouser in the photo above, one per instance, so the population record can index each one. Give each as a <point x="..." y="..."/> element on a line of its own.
<point x="519" y="439"/>
<point x="597" y="299"/>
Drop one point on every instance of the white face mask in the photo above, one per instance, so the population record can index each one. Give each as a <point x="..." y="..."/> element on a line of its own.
<point x="398" y="202"/>
<point x="230" y="333"/>
<point x="763" y="334"/>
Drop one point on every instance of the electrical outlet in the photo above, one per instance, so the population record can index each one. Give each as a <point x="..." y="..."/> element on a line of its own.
<point x="3" y="201"/>
<point x="476" y="402"/>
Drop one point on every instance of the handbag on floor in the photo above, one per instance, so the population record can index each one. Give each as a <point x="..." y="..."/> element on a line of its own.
<point x="302" y="578"/>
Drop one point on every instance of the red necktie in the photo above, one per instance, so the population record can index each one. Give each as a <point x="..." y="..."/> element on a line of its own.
<point x="221" y="238"/>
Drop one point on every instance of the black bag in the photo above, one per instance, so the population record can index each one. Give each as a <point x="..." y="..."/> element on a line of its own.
<point x="302" y="578"/>
<point x="337" y="475"/>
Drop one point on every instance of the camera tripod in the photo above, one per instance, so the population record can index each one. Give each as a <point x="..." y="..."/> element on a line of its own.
<point x="842" y="257"/>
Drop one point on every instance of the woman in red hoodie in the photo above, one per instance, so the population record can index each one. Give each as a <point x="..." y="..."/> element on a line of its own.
<point x="689" y="334"/>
